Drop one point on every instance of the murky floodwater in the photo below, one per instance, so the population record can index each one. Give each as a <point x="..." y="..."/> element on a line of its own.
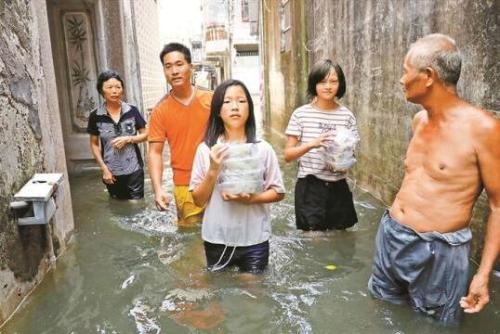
<point x="130" y="270"/>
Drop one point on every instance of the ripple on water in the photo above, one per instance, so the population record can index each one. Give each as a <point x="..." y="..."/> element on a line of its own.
<point x="151" y="222"/>
<point x="365" y="205"/>
<point x="169" y="254"/>
<point x="143" y="323"/>
<point x="283" y="250"/>
<point x="104" y="329"/>
<point x="291" y="314"/>
<point x="179" y="299"/>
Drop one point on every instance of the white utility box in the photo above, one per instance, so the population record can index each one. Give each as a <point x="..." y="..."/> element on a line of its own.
<point x="34" y="203"/>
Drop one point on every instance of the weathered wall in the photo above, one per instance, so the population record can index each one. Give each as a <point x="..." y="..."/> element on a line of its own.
<point x="370" y="39"/>
<point x="285" y="72"/>
<point x="30" y="142"/>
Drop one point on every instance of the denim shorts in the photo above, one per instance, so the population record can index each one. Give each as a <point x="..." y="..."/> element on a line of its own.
<point x="430" y="270"/>
<point x="252" y="259"/>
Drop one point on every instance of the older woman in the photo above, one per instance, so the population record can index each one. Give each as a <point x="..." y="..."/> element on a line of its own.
<point x="118" y="126"/>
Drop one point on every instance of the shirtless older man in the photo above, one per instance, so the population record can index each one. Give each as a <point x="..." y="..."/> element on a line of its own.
<point x="422" y="245"/>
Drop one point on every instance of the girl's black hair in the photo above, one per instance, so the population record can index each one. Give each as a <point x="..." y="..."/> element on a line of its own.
<point x="319" y="71"/>
<point x="105" y="76"/>
<point x="215" y="126"/>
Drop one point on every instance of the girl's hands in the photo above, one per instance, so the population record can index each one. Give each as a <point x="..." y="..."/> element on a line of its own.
<point x="321" y="141"/>
<point x="240" y="198"/>
<point x="107" y="176"/>
<point x="217" y="154"/>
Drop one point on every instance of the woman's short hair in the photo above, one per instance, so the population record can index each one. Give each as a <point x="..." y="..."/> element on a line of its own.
<point x="105" y="76"/>
<point x="319" y="71"/>
<point x="215" y="126"/>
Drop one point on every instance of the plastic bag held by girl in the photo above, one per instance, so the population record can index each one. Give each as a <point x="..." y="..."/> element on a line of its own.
<point x="339" y="154"/>
<point x="242" y="170"/>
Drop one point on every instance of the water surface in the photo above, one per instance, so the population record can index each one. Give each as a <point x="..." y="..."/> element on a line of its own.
<point x="131" y="270"/>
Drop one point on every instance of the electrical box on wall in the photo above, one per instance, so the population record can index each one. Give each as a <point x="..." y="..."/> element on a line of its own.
<point x="34" y="204"/>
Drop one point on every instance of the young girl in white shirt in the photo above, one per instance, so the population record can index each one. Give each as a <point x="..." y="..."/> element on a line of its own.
<point x="236" y="227"/>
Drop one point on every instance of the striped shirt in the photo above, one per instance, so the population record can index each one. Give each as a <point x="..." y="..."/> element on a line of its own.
<point x="307" y="123"/>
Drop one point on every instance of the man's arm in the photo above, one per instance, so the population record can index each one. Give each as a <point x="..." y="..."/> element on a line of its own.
<point x="488" y="153"/>
<point x="155" y="162"/>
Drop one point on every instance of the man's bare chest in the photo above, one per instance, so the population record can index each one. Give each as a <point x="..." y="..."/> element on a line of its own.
<point x="441" y="154"/>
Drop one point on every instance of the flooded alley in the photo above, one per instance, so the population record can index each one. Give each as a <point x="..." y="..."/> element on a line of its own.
<point x="131" y="270"/>
<point x="423" y="138"/>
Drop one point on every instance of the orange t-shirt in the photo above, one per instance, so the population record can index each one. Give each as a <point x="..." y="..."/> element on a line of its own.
<point x="183" y="127"/>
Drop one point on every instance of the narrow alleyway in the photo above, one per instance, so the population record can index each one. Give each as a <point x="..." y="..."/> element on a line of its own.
<point x="126" y="267"/>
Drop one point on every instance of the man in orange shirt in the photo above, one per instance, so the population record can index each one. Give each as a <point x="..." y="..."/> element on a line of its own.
<point x="180" y="118"/>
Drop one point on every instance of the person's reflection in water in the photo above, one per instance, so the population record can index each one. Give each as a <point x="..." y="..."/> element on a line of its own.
<point x="344" y="252"/>
<point x="195" y="304"/>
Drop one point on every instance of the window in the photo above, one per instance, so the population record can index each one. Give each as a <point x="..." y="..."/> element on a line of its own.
<point x="286" y="29"/>
<point x="244" y="11"/>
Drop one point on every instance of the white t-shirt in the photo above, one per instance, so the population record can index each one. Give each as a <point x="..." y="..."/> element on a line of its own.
<point x="307" y="123"/>
<point x="231" y="223"/>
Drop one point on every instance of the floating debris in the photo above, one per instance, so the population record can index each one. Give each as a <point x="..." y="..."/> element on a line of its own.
<point x="128" y="281"/>
<point x="331" y="267"/>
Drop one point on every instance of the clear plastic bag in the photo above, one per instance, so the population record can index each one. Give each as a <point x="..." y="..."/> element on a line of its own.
<point x="339" y="153"/>
<point x="242" y="170"/>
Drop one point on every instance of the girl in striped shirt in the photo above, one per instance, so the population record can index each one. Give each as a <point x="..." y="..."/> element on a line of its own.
<point x="322" y="197"/>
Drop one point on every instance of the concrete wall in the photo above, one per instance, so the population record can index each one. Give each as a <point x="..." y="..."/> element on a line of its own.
<point x="370" y="39"/>
<point x="30" y="142"/>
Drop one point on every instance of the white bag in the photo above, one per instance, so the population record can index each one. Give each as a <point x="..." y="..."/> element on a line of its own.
<point x="339" y="154"/>
<point x="242" y="170"/>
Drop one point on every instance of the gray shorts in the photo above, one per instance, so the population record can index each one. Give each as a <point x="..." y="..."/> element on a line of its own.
<point x="430" y="271"/>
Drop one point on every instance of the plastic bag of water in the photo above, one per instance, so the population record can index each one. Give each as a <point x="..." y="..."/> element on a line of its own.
<point x="339" y="153"/>
<point x="242" y="170"/>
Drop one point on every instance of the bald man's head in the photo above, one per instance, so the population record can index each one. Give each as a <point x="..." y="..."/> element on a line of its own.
<point x="439" y="52"/>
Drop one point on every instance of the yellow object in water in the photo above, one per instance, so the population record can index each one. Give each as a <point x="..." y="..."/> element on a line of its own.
<point x="331" y="267"/>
